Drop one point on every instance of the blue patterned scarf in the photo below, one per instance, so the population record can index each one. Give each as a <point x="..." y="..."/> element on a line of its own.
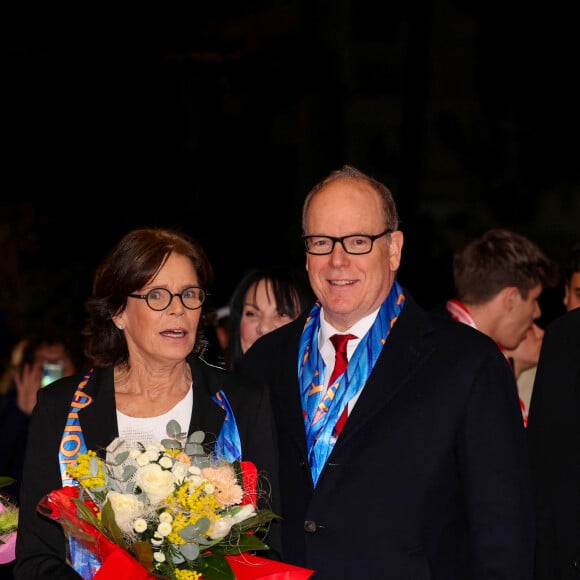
<point x="322" y="409"/>
<point x="72" y="443"/>
<point x="228" y="444"/>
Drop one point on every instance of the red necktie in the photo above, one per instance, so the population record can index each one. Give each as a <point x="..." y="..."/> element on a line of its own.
<point x="340" y="363"/>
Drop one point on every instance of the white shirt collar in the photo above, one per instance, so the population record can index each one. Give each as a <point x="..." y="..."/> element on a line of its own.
<point x="327" y="330"/>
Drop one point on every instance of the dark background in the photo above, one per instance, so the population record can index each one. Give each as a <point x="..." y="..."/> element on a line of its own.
<point x="219" y="119"/>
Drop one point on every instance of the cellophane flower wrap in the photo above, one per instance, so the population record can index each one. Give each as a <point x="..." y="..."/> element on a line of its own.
<point x="8" y="524"/>
<point x="174" y="510"/>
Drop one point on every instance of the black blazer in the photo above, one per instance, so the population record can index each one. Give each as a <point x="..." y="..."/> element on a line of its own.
<point x="429" y="479"/>
<point x="40" y="546"/>
<point x="554" y="438"/>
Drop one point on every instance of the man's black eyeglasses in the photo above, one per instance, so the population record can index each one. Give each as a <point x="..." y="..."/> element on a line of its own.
<point x="160" y="298"/>
<point x="357" y="244"/>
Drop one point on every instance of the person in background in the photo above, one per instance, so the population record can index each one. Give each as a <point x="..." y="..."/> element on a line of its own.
<point x="572" y="279"/>
<point x="412" y="462"/>
<point x="524" y="361"/>
<point x="142" y="337"/>
<point x="36" y="360"/>
<point x="263" y="300"/>
<point x="553" y="435"/>
<point x="7" y="375"/>
<point x="499" y="277"/>
<point x="525" y="356"/>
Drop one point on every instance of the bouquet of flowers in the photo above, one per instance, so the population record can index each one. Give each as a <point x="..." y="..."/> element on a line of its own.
<point x="179" y="512"/>
<point x="8" y="524"/>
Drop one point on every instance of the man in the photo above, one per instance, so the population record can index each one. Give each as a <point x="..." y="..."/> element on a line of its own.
<point x="572" y="279"/>
<point x="428" y="477"/>
<point x="554" y="441"/>
<point x="498" y="278"/>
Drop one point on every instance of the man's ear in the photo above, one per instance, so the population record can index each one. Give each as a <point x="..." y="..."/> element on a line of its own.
<point x="509" y="297"/>
<point x="395" y="249"/>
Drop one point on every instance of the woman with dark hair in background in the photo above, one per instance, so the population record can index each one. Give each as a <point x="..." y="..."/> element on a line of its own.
<point x="264" y="299"/>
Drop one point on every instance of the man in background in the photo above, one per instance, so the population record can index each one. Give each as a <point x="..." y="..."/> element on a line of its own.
<point x="499" y="277"/>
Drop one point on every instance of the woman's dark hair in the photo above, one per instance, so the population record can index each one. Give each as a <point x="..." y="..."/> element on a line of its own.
<point x="130" y="265"/>
<point x="291" y="292"/>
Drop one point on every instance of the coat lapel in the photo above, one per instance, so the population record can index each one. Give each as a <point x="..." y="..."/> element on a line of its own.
<point x="99" y="419"/>
<point x="406" y="349"/>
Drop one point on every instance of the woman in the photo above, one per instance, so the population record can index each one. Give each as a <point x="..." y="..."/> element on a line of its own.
<point x="524" y="359"/>
<point x="265" y="299"/>
<point x="142" y="338"/>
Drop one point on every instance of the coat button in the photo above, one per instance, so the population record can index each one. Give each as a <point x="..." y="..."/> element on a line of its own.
<point x="310" y="526"/>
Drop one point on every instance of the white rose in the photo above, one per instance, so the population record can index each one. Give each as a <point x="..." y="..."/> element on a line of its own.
<point x="166" y="462"/>
<point x="180" y="470"/>
<point x="126" y="508"/>
<point x="159" y="557"/>
<point x="221" y="527"/>
<point x="194" y="482"/>
<point x="155" y="482"/>
<point x="154" y="448"/>
<point x="164" y="528"/>
<point x="142" y="459"/>
<point x="194" y="470"/>
<point x="157" y="539"/>
<point x="140" y="525"/>
<point x="165" y="517"/>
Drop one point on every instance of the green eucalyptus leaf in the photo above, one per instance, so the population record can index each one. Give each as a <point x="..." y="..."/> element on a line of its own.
<point x="171" y="444"/>
<point x="128" y="472"/>
<point x="189" y="551"/>
<point x="120" y="458"/>
<point x="194" y="449"/>
<point x="173" y="428"/>
<point x="114" y="485"/>
<point x="193" y="531"/>
<point x="94" y="466"/>
<point x="177" y="558"/>
<point x="199" y="461"/>
<point x="196" y="437"/>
